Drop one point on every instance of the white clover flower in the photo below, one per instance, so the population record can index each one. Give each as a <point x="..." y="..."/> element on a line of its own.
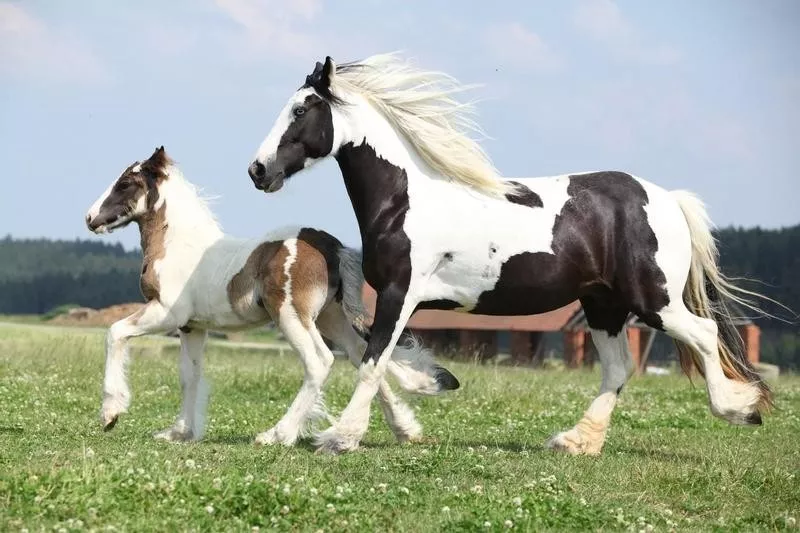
<point x="285" y="509"/>
<point x="330" y="507"/>
<point x="404" y="490"/>
<point x="508" y="524"/>
<point x="190" y="463"/>
<point x="477" y="489"/>
<point x="210" y="509"/>
<point x="89" y="453"/>
<point x="487" y="524"/>
<point x="248" y="478"/>
<point x="445" y="509"/>
<point x="216" y="483"/>
<point x="517" y="501"/>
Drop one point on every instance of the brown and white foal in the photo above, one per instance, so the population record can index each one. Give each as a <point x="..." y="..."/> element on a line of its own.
<point x="196" y="278"/>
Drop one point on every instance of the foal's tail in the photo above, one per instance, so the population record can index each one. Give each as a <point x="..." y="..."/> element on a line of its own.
<point x="705" y="293"/>
<point x="412" y="365"/>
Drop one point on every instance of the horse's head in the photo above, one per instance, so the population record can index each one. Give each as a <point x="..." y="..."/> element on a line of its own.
<point x="303" y="133"/>
<point x="132" y="196"/>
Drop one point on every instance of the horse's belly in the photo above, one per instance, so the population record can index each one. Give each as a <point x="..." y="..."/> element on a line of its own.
<point x="526" y="283"/>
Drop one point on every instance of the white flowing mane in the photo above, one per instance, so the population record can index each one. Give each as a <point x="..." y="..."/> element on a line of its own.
<point x="421" y="105"/>
<point x="188" y="207"/>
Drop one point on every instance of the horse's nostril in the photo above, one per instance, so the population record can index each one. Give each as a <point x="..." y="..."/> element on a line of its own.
<point x="257" y="170"/>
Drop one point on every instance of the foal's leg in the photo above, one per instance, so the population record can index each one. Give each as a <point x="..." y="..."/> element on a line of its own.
<point x="589" y="434"/>
<point x="393" y="309"/>
<point x="190" y="424"/>
<point x="308" y="401"/>
<point x="399" y="416"/>
<point x="152" y="318"/>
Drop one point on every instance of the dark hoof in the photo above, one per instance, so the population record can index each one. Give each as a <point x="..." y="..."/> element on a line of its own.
<point x="110" y="425"/>
<point x="445" y="379"/>
<point x="754" y="419"/>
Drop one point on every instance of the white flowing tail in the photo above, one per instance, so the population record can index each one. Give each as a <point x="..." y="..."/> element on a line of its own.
<point x="412" y="365"/>
<point x="705" y="293"/>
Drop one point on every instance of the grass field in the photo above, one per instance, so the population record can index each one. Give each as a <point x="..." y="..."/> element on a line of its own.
<point x="667" y="465"/>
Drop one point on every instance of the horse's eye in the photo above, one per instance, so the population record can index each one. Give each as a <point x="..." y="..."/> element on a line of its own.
<point x="124" y="185"/>
<point x="299" y="111"/>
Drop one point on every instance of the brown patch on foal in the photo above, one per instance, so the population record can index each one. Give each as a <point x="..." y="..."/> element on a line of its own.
<point x="263" y="276"/>
<point x="315" y="270"/>
<point x="153" y="224"/>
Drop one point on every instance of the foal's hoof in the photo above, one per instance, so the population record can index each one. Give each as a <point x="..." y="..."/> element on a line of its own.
<point x="174" y="435"/>
<point x="109" y="424"/>
<point x="329" y="442"/>
<point x="273" y="436"/>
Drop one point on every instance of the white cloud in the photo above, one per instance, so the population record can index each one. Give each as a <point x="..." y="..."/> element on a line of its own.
<point x="278" y="28"/>
<point x="30" y="49"/>
<point x="603" y="21"/>
<point x="513" y="44"/>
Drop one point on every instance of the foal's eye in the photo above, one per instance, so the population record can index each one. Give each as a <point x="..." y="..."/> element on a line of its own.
<point x="124" y="185"/>
<point x="299" y="111"/>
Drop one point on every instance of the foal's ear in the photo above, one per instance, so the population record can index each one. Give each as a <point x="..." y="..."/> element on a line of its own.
<point x="328" y="71"/>
<point x="158" y="160"/>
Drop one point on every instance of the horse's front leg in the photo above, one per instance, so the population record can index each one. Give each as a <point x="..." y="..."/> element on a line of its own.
<point x="190" y="424"/>
<point x="393" y="308"/>
<point x="152" y="318"/>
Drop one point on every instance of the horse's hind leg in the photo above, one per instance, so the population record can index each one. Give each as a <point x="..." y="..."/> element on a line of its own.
<point x="308" y="402"/>
<point x="589" y="434"/>
<point x="735" y="401"/>
<point x="399" y="416"/>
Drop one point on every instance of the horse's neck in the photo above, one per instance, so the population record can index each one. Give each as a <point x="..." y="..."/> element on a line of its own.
<point x="180" y="217"/>
<point x="377" y="164"/>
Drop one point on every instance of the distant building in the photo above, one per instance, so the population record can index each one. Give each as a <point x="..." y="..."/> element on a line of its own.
<point x="525" y="337"/>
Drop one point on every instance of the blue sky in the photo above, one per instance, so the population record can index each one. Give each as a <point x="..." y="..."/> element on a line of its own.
<point x="699" y="95"/>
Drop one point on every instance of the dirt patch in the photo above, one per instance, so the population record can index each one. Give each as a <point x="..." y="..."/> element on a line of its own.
<point x="85" y="316"/>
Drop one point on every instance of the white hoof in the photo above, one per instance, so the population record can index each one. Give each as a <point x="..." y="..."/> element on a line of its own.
<point x="573" y="442"/>
<point x="331" y="442"/>
<point x="737" y="403"/>
<point x="412" y="433"/>
<point x="275" y="436"/>
<point x="113" y="406"/>
<point x="175" y="434"/>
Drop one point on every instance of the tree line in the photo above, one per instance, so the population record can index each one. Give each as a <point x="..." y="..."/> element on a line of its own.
<point x="37" y="275"/>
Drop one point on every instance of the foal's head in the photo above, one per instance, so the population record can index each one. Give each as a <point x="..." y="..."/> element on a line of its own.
<point x="302" y="134"/>
<point x="132" y="196"/>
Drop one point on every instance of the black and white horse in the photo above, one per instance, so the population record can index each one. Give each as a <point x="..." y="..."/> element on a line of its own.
<point x="441" y="230"/>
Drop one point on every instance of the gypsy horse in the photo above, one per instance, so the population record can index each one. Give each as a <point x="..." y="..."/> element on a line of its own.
<point x="441" y="230"/>
<point x="196" y="278"/>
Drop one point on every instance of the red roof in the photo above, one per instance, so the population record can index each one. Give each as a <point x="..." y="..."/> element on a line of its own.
<point x="551" y="321"/>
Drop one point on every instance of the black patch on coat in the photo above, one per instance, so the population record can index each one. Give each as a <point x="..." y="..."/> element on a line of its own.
<point x="185" y="329"/>
<point x="439" y="305"/>
<point x="524" y="196"/>
<point x="604" y="255"/>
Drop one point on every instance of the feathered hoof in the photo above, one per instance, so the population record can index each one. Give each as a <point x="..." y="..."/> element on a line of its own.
<point x="174" y="435"/>
<point x="445" y="379"/>
<point x="331" y="443"/>
<point x="274" y="436"/>
<point x="572" y="442"/>
<point x="108" y="425"/>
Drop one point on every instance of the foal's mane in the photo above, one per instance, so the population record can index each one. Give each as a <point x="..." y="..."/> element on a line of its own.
<point x="421" y="105"/>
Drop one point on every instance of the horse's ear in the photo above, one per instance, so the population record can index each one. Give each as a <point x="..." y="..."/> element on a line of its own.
<point x="328" y="71"/>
